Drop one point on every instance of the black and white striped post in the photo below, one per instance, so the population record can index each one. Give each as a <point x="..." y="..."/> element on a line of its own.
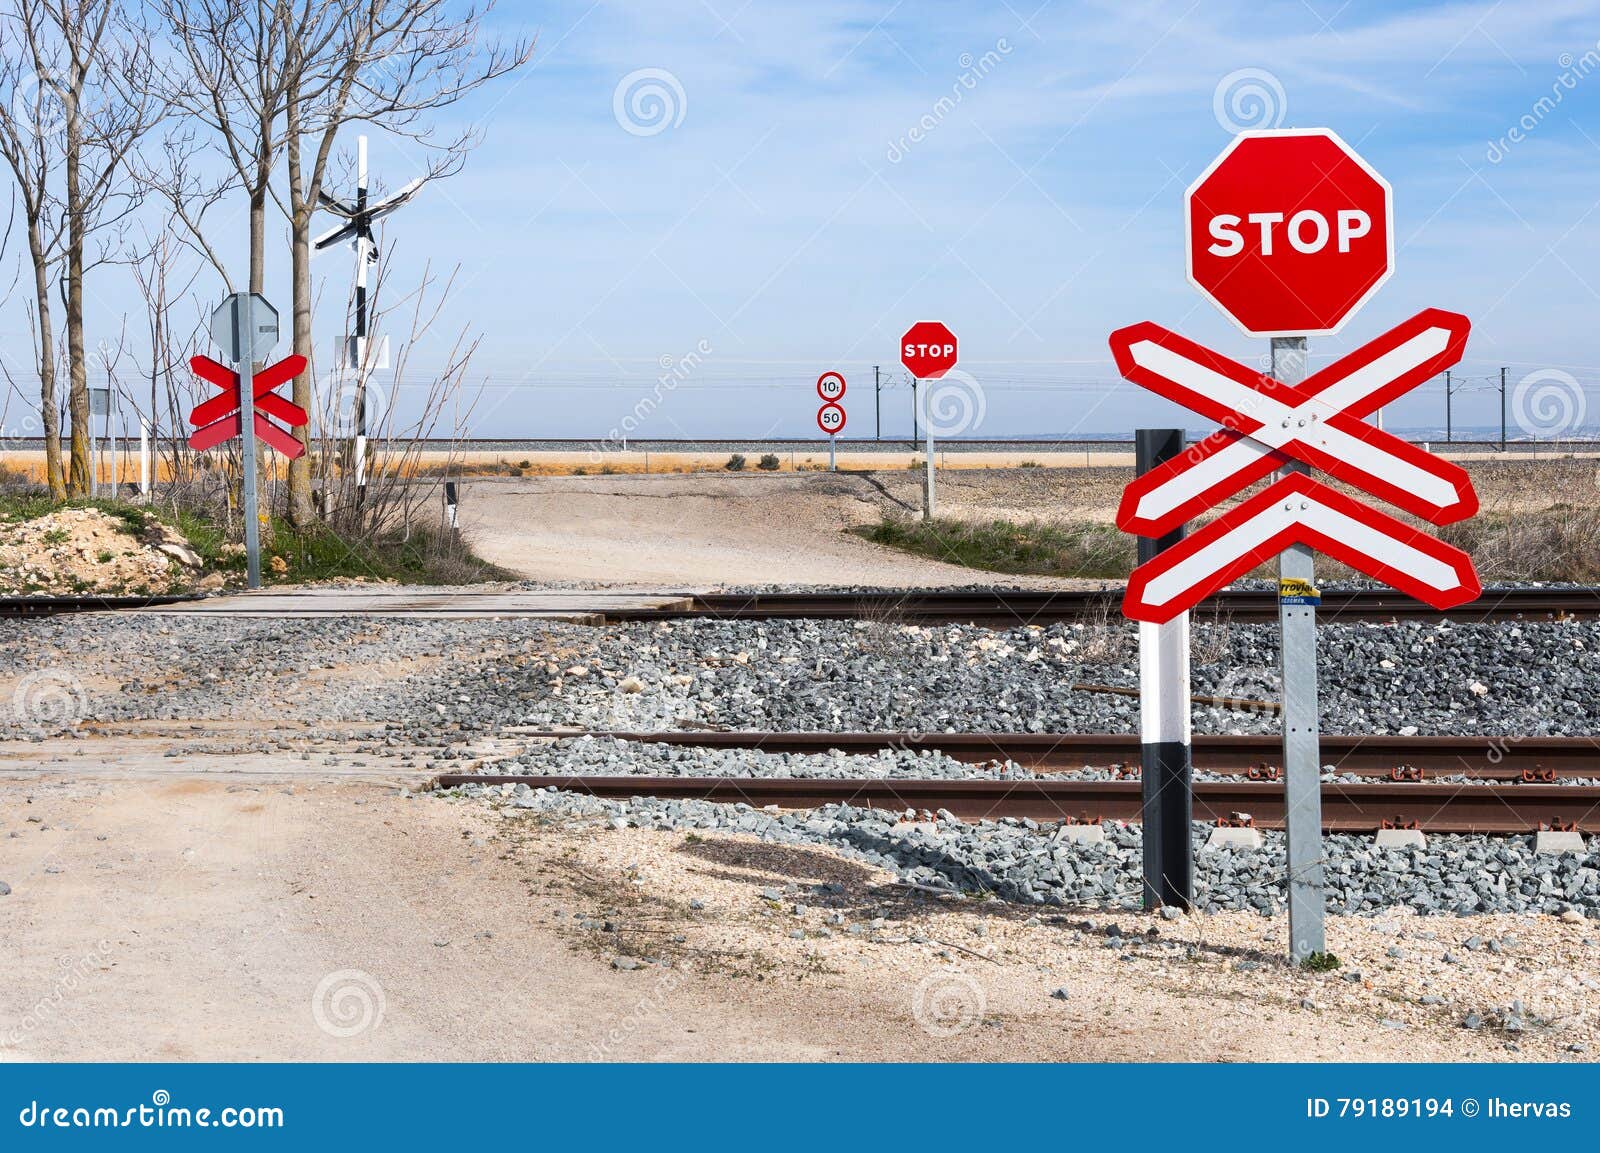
<point x="359" y="218"/>
<point x="1164" y="720"/>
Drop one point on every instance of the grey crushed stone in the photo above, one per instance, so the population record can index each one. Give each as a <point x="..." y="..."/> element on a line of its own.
<point x="1020" y="860"/>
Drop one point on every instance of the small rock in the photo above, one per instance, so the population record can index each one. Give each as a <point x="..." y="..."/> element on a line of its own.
<point x="624" y="963"/>
<point x="1472" y="1021"/>
<point x="1060" y="994"/>
<point x="1571" y="916"/>
<point x="631" y="685"/>
<point x="1170" y="913"/>
<point x="5" y="889"/>
<point x="696" y="903"/>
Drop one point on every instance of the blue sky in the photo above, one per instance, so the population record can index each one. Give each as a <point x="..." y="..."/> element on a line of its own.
<point x="781" y="220"/>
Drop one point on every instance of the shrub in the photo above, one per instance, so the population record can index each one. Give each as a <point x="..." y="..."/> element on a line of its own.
<point x="735" y="463"/>
<point x="769" y="462"/>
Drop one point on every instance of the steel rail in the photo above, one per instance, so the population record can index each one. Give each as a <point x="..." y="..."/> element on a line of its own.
<point x="1529" y="760"/>
<point x="49" y="606"/>
<point x="1362" y="807"/>
<point x="1011" y="608"/>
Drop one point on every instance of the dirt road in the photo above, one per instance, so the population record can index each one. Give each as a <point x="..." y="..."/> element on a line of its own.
<point x="185" y="917"/>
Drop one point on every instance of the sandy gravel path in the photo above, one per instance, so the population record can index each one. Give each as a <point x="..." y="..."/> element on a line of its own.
<point x="699" y="530"/>
<point x="270" y="917"/>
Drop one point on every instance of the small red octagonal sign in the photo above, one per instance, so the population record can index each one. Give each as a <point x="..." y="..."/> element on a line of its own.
<point x="1289" y="232"/>
<point x="928" y="350"/>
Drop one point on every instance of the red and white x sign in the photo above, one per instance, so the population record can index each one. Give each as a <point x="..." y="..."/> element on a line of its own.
<point x="217" y="419"/>
<point x="1265" y="424"/>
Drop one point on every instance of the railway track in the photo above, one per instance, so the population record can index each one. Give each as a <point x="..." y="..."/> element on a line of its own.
<point x="1403" y="760"/>
<point x="989" y="608"/>
<point x="1011" y="608"/>
<point x="1362" y="807"/>
<point x="1516" y="789"/>
<point x="50" y="606"/>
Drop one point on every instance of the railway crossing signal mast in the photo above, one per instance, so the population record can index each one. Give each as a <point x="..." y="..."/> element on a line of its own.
<point x="1289" y="232"/>
<point x="359" y="218"/>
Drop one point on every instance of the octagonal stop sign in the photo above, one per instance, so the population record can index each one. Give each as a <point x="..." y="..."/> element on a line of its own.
<point x="1289" y="232"/>
<point x="928" y="350"/>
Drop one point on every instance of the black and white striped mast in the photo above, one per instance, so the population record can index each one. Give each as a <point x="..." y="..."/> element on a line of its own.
<point x="359" y="218"/>
<point x="366" y="253"/>
<point x="1165" y="720"/>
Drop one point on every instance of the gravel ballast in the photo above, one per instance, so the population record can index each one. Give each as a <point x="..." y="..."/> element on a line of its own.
<point x="441" y="680"/>
<point x="1021" y="860"/>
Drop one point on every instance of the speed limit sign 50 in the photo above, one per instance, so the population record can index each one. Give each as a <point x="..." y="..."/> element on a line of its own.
<point x="830" y="386"/>
<point x="830" y="418"/>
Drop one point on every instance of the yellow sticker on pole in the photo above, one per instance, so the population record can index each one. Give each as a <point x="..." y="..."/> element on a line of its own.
<point x="1298" y="591"/>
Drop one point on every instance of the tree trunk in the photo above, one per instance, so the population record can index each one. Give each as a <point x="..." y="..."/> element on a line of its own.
<point x="77" y="362"/>
<point x="301" y="510"/>
<point x="48" y="413"/>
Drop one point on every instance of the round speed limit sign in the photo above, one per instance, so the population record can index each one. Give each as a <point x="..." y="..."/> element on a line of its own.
<point x="830" y="419"/>
<point x="830" y="386"/>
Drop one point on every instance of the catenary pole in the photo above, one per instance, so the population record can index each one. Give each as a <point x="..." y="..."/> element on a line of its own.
<point x="877" y="403"/>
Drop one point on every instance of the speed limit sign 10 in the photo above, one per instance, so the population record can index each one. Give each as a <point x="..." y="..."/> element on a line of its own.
<point x="830" y="386"/>
<point x="830" y="418"/>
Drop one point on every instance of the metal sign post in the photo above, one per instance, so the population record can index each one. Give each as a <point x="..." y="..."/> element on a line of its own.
<point x="243" y="313"/>
<point x="928" y="351"/>
<point x="246" y="328"/>
<point x="831" y="417"/>
<point x="1302" y="747"/>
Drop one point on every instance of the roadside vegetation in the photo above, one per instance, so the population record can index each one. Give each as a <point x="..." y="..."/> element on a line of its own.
<point x="1081" y="549"/>
<point x="105" y="547"/>
<point x="1539" y="521"/>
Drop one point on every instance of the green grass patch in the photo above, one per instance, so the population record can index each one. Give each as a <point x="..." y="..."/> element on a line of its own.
<point x="1037" y="548"/>
<point x="424" y="556"/>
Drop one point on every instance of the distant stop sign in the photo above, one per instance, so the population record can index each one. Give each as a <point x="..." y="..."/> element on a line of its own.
<point x="928" y="350"/>
<point x="1289" y="232"/>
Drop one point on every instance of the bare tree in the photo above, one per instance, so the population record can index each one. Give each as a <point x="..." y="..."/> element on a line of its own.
<point x="93" y="57"/>
<point x="388" y="63"/>
<point x="30" y="143"/>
